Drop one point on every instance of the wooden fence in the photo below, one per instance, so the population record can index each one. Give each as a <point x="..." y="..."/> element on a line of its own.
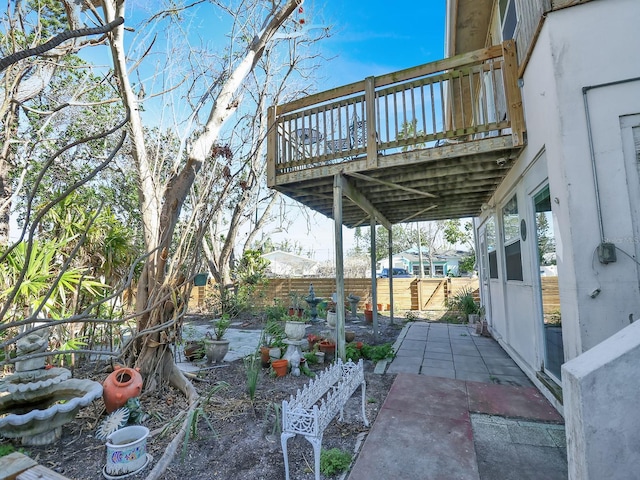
<point x="408" y="294"/>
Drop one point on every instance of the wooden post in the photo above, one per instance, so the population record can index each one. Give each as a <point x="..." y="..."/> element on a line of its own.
<point x="512" y="92"/>
<point x="272" y="146"/>
<point x="374" y="280"/>
<point x="337" y="219"/>
<point x="391" y="276"/>
<point x="372" y="135"/>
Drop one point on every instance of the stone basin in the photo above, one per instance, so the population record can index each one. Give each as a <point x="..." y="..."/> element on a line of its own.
<point x="37" y="415"/>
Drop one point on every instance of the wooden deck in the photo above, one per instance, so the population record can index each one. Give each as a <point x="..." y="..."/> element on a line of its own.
<point x="430" y="142"/>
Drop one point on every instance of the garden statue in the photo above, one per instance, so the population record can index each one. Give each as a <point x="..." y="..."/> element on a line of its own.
<point x="353" y="300"/>
<point x="313" y="302"/>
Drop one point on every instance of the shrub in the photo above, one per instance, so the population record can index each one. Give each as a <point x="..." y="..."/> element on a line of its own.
<point x="334" y="461"/>
<point x="378" y="352"/>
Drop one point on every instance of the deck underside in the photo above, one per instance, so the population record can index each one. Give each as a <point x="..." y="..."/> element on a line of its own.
<point x="448" y="181"/>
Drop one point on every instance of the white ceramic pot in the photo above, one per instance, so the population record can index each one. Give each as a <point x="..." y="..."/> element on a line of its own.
<point x="331" y="319"/>
<point x="215" y="350"/>
<point x="126" y="451"/>
<point x="294" y="330"/>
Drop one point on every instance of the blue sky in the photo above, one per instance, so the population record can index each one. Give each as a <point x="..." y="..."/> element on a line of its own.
<point x="368" y="38"/>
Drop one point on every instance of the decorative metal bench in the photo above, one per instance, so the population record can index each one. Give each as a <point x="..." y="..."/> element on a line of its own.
<point x="313" y="407"/>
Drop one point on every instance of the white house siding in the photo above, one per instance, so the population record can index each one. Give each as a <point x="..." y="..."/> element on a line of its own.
<point x="586" y="45"/>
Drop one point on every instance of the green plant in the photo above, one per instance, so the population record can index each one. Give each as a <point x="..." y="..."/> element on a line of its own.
<point x="378" y="352"/>
<point x="6" y="449"/>
<point x="334" y="461"/>
<point x="277" y="311"/>
<point x="352" y="352"/>
<point x="463" y="301"/>
<point x="296" y="300"/>
<point x="197" y="413"/>
<point x="294" y="318"/>
<point x="304" y="368"/>
<point x="311" y="358"/>
<point x="274" y="334"/>
<point x="273" y="418"/>
<point x="252" y="368"/>
<point x="220" y="327"/>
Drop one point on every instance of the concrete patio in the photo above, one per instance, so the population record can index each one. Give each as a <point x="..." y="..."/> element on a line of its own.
<point x="460" y="408"/>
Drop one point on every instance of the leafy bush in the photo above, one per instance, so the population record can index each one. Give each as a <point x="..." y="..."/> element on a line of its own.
<point x="334" y="461"/>
<point x="378" y="352"/>
<point x="463" y="301"/>
<point x="277" y="311"/>
<point x="352" y="352"/>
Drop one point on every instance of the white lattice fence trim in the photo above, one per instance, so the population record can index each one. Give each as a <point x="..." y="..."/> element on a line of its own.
<point x="319" y="401"/>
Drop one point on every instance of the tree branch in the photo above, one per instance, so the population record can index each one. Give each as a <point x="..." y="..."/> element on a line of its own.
<point x="57" y="40"/>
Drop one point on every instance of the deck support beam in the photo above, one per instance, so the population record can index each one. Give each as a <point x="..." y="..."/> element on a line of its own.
<point x="337" y="218"/>
<point x="359" y="199"/>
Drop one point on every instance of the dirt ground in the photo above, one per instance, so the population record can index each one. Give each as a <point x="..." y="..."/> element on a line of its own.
<point x="235" y="437"/>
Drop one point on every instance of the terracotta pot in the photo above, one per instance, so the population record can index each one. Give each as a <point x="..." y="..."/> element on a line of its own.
<point x="264" y="357"/>
<point x="329" y="348"/>
<point x="380" y="307"/>
<point x="280" y="367"/>
<point x="296" y="312"/>
<point x="121" y="385"/>
<point x="359" y="345"/>
<point x="368" y="316"/>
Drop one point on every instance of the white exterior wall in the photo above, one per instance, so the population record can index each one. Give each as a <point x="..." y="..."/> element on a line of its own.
<point x="585" y="45"/>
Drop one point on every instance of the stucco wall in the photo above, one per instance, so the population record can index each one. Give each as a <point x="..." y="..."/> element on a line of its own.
<point x="578" y="47"/>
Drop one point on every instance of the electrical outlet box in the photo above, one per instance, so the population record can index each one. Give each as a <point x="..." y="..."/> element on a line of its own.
<point x="607" y="253"/>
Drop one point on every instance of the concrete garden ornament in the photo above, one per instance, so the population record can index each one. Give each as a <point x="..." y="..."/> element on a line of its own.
<point x="35" y="402"/>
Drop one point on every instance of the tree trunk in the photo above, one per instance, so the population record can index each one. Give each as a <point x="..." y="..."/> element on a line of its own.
<point x="161" y="210"/>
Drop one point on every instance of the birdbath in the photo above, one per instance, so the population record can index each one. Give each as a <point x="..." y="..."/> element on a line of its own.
<point x="34" y="402"/>
<point x="313" y="302"/>
<point x="353" y="300"/>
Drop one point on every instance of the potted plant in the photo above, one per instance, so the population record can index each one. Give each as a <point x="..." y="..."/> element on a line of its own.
<point x="216" y="346"/>
<point x="331" y="311"/>
<point x="294" y="327"/>
<point x="296" y="308"/>
<point x="274" y="337"/>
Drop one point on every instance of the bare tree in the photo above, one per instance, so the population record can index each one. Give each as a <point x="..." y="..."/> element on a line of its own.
<point x="161" y="200"/>
<point x="250" y="202"/>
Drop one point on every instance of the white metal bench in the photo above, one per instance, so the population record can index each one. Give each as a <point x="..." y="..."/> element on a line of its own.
<point x="313" y="407"/>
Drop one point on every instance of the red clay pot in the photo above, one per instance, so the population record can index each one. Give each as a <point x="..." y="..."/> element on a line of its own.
<point x="264" y="356"/>
<point x="328" y="348"/>
<point x="280" y="367"/>
<point x="368" y="316"/>
<point x="121" y="385"/>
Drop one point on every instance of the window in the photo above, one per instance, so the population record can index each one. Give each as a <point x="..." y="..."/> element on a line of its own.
<point x="490" y="232"/>
<point x="508" y="18"/>
<point x="511" y="230"/>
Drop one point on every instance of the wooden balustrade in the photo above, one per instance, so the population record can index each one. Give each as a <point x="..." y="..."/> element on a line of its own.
<point x="470" y="96"/>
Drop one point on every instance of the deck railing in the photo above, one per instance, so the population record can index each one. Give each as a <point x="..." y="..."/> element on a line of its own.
<point x="467" y="97"/>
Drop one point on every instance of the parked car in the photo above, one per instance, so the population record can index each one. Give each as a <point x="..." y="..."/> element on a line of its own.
<point x="397" y="273"/>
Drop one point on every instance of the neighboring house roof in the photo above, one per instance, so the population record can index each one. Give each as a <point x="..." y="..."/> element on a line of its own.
<point x="413" y="257"/>
<point x="285" y="263"/>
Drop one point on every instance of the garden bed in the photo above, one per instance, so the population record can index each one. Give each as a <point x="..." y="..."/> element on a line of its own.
<point x="245" y="441"/>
